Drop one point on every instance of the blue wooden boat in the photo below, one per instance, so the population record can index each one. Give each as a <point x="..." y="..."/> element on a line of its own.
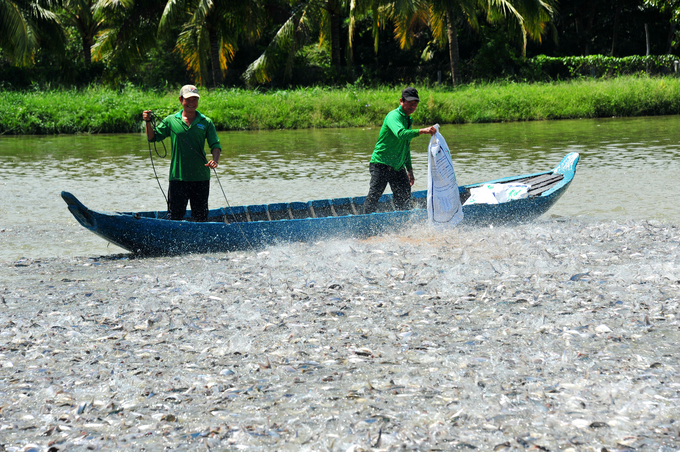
<point x="244" y="227"/>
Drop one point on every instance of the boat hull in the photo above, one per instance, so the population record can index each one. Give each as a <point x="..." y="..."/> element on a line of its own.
<point x="147" y="233"/>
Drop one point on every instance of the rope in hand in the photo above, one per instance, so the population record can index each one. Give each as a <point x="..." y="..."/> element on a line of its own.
<point x="202" y="155"/>
<point x="165" y="154"/>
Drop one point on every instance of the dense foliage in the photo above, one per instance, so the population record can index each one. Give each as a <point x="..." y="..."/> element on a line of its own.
<point x="283" y="43"/>
<point x="597" y="66"/>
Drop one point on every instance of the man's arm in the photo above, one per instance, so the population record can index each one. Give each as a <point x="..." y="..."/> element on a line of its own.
<point x="150" y="134"/>
<point x="396" y="125"/>
<point x="431" y="130"/>
<point x="216" y="152"/>
<point x="214" y="143"/>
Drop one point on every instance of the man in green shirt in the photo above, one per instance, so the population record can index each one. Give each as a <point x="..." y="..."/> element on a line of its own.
<point x="391" y="160"/>
<point x="189" y="168"/>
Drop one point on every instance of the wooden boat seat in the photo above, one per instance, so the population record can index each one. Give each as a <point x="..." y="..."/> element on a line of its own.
<point x="236" y="214"/>
<point x="538" y="188"/>
<point x="358" y="204"/>
<point x="322" y="208"/>
<point x="279" y="211"/>
<point x="343" y="206"/>
<point x="258" y="212"/>
<point x="300" y="210"/>
<point x="540" y="183"/>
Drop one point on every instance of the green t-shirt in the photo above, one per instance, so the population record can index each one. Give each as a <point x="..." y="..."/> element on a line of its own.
<point x="188" y="158"/>
<point x="394" y="142"/>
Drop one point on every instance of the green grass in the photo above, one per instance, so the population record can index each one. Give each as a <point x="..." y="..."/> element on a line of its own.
<point x="100" y="110"/>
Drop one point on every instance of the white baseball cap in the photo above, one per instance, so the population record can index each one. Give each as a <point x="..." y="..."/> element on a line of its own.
<point x="188" y="91"/>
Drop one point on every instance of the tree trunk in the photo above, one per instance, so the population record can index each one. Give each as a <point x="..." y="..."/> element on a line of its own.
<point x="215" y="58"/>
<point x="647" y="39"/>
<point x="335" y="39"/>
<point x="454" y="54"/>
<point x="88" y="42"/>
<point x="87" y="31"/>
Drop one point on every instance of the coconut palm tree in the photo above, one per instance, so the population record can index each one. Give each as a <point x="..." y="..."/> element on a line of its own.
<point x="126" y="29"/>
<point x="309" y="20"/>
<point x="211" y="30"/>
<point x="529" y="17"/>
<point x="80" y="14"/>
<point x="23" y="25"/>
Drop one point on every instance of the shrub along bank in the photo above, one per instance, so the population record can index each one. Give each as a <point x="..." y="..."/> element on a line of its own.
<point x="543" y="68"/>
<point x="99" y="110"/>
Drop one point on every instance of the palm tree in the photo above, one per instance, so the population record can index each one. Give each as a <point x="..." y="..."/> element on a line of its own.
<point x="127" y="29"/>
<point x="23" y="25"/>
<point x="80" y="14"/>
<point x="211" y="32"/>
<point x="308" y="20"/>
<point x="363" y="8"/>
<point x="443" y="16"/>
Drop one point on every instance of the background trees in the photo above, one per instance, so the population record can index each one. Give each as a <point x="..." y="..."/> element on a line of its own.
<point x="303" y="42"/>
<point x="309" y="20"/>
<point x="80" y="15"/>
<point x="211" y="31"/>
<point x="24" y="26"/>
<point x="526" y="18"/>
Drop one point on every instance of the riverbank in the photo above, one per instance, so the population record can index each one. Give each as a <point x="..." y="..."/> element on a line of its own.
<point x="98" y="110"/>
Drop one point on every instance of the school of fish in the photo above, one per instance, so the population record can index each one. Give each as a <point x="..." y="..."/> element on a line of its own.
<point x="560" y="335"/>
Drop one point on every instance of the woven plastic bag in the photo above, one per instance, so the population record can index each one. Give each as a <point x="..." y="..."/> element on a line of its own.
<point x="443" y="198"/>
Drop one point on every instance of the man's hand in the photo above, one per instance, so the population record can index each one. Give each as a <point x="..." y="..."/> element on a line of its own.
<point x="411" y="178"/>
<point x="147" y="116"/>
<point x="429" y="130"/>
<point x="216" y="152"/>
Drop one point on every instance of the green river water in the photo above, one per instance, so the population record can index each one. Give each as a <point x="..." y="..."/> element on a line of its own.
<point x="628" y="170"/>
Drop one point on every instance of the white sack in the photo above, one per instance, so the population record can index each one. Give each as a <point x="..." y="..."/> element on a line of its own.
<point x="497" y="193"/>
<point x="443" y="197"/>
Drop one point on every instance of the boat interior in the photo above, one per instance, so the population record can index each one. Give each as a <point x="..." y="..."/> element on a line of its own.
<point x="539" y="184"/>
<point x="354" y="205"/>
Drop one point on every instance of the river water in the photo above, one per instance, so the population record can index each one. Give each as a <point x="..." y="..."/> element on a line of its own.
<point x="561" y="334"/>
<point x="627" y="171"/>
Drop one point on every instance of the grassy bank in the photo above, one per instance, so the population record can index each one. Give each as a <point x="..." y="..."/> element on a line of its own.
<point x="97" y="110"/>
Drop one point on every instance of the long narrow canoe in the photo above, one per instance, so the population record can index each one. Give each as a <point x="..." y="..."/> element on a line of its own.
<point x="243" y="227"/>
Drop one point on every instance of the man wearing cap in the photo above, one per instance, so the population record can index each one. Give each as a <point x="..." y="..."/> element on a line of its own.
<point x="189" y="168"/>
<point x="391" y="160"/>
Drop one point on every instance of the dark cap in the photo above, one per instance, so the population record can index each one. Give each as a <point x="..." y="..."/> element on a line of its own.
<point x="410" y="94"/>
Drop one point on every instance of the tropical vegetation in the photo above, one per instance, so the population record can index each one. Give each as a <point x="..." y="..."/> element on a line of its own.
<point x="284" y="43"/>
